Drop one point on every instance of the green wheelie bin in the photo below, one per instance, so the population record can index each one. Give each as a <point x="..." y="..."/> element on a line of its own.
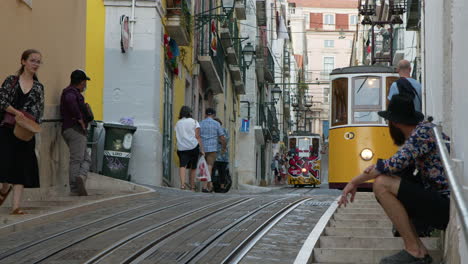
<point x="117" y="150"/>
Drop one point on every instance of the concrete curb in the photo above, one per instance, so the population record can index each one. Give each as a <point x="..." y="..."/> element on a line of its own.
<point x="74" y="210"/>
<point x="305" y="254"/>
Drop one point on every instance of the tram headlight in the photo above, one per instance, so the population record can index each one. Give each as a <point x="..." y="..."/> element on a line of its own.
<point x="304" y="170"/>
<point x="367" y="154"/>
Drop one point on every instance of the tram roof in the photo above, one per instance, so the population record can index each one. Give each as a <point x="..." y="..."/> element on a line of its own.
<point x="363" y="69"/>
<point x="303" y="133"/>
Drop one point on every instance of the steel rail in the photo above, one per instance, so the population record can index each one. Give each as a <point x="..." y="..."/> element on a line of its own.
<point x="242" y="249"/>
<point x="83" y="238"/>
<point x="36" y="242"/>
<point x="456" y="191"/>
<point x="104" y="253"/>
<point x="196" y="254"/>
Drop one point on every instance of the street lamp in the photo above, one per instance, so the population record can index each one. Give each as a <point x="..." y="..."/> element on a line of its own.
<point x="248" y="53"/>
<point x="276" y="93"/>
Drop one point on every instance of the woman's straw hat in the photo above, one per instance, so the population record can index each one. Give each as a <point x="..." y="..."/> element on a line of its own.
<point x="26" y="127"/>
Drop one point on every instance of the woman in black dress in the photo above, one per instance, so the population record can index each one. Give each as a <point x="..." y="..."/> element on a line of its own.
<point x="18" y="162"/>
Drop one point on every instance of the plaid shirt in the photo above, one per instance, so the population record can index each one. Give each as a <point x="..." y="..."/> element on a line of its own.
<point x="210" y="131"/>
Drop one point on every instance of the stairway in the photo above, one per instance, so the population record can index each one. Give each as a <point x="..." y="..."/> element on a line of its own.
<point x="362" y="233"/>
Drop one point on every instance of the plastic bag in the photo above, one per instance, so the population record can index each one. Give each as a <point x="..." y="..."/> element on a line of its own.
<point x="203" y="173"/>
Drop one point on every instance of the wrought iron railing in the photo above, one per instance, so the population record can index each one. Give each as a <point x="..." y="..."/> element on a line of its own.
<point x="270" y="62"/>
<point x="210" y="45"/>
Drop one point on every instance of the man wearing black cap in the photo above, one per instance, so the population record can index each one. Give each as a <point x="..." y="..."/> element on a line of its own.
<point x="74" y="131"/>
<point x="426" y="201"/>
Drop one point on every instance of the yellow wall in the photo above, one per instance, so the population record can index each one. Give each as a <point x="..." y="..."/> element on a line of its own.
<point x="95" y="33"/>
<point x="57" y="29"/>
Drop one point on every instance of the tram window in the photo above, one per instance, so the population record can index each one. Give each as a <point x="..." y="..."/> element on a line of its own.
<point x="315" y="147"/>
<point x="366" y="99"/>
<point x="292" y="145"/>
<point x="340" y="102"/>
<point x="366" y="117"/>
<point x="389" y="82"/>
<point x="366" y="91"/>
<point x="303" y="144"/>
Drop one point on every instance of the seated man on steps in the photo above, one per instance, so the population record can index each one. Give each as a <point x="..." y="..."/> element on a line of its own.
<point x="424" y="199"/>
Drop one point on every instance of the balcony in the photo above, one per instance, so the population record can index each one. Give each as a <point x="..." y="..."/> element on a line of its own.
<point x="178" y="23"/>
<point x="263" y="118"/>
<point x="269" y="122"/>
<point x="414" y="15"/>
<point x="211" y="60"/>
<point x="265" y="64"/>
<point x="230" y="40"/>
<point x="239" y="8"/>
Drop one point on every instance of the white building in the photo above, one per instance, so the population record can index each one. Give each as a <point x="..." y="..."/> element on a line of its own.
<point x="444" y="57"/>
<point x="133" y="79"/>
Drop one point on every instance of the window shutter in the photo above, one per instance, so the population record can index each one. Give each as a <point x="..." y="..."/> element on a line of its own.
<point x="342" y="21"/>
<point x="316" y="21"/>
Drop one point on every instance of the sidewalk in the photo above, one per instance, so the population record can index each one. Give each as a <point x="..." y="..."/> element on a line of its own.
<point x="43" y="204"/>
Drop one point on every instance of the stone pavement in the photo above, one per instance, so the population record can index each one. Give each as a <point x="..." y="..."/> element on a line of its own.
<point x="44" y="204"/>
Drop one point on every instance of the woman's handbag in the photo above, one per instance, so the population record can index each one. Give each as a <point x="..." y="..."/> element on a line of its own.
<point x="26" y="127"/>
<point x="8" y="118"/>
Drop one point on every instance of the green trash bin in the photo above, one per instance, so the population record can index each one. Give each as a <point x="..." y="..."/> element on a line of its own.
<point x="117" y="150"/>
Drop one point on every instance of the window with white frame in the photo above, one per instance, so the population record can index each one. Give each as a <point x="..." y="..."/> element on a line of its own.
<point x="352" y="20"/>
<point x="329" y="43"/>
<point x="326" y="94"/>
<point x="329" y="19"/>
<point x="328" y="64"/>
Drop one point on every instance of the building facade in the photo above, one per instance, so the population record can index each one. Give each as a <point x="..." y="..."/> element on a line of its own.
<point x="326" y="29"/>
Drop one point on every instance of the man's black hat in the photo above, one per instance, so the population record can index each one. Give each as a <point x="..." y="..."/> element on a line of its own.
<point x="79" y="75"/>
<point x="401" y="110"/>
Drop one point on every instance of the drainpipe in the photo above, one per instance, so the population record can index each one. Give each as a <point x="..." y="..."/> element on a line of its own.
<point x="132" y="25"/>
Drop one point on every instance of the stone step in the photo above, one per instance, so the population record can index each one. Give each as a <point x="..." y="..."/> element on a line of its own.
<point x="431" y="243"/>
<point x="361" y="211"/>
<point x="358" y="232"/>
<point x="360" y="223"/>
<point x="356" y="255"/>
<point x="357" y="205"/>
<point x="342" y="216"/>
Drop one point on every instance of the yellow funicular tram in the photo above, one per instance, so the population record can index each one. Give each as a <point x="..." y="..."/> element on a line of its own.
<point x="358" y="136"/>
<point x="304" y="159"/>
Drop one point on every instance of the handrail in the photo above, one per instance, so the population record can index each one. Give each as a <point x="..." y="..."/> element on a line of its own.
<point x="456" y="191"/>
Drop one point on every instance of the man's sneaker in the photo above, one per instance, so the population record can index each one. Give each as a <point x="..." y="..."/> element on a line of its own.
<point x="403" y="257"/>
<point x="80" y="186"/>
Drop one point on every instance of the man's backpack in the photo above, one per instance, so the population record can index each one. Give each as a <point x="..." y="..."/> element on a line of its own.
<point x="405" y="88"/>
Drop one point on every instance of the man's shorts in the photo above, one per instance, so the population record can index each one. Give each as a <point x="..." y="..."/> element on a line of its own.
<point x="189" y="158"/>
<point x="425" y="206"/>
<point x="210" y="158"/>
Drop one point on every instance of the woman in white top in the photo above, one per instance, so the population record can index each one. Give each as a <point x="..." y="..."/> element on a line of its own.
<point x="189" y="146"/>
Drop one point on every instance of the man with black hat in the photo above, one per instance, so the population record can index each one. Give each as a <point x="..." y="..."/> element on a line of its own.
<point x="401" y="198"/>
<point x="74" y="131"/>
